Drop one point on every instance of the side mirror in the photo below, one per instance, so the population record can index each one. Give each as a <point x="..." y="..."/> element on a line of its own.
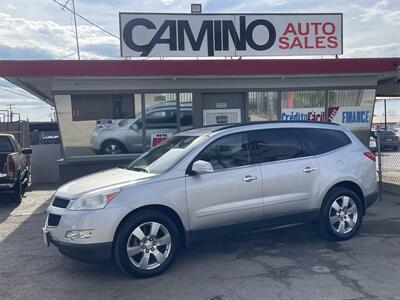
<point x="201" y="167"/>
<point x="134" y="127"/>
<point x="26" y="150"/>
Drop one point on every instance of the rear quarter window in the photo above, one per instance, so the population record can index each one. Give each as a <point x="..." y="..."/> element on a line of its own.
<point x="319" y="141"/>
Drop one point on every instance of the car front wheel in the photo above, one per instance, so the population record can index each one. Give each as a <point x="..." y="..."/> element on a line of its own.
<point x="341" y="214"/>
<point x="146" y="244"/>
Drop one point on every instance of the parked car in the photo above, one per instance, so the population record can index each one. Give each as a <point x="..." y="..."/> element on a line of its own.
<point x="388" y="139"/>
<point x="210" y="179"/>
<point x="126" y="137"/>
<point x="14" y="168"/>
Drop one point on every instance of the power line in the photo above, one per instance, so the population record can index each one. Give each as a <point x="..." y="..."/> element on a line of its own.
<point x="20" y="94"/>
<point x="85" y="19"/>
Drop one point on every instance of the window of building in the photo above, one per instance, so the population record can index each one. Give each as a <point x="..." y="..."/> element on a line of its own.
<point x="102" y="106"/>
<point x="319" y="141"/>
<point x="227" y="152"/>
<point x="303" y="106"/>
<point x="275" y="144"/>
<point x="263" y="106"/>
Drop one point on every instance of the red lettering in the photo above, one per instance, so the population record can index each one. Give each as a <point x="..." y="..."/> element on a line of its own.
<point x="319" y="42"/>
<point x="290" y="29"/>
<point x="332" y="42"/>
<point x="296" y="43"/>
<point x="284" y="42"/>
<point x="299" y="28"/>
<point x="316" y="26"/>
<point x="306" y="45"/>
<point x="328" y="28"/>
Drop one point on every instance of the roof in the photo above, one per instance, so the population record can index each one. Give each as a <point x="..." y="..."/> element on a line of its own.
<point x="37" y="68"/>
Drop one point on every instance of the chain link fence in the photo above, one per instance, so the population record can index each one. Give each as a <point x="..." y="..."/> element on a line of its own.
<point x="389" y="167"/>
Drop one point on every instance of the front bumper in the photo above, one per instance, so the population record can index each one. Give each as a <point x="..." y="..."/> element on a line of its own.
<point x="90" y="253"/>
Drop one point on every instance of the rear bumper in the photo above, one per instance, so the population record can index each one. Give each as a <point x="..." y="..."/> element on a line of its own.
<point x="90" y="253"/>
<point x="371" y="199"/>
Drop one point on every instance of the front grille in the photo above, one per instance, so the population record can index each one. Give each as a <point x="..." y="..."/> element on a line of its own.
<point x="59" y="202"/>
<point x="53" y="220"/>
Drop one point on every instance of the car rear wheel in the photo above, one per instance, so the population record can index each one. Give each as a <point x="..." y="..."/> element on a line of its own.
<point x="146" y="244"/>
<point x="112" y="147"/>
<point x="341" y="214"/>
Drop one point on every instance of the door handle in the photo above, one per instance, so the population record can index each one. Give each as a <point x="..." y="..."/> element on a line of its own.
<point x="249" y="178"/>
<point x="309" y="170"/>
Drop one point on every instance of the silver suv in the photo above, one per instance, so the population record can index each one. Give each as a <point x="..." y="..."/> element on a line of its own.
<point x="126" y="135"/>
<point x="214" y="178"/>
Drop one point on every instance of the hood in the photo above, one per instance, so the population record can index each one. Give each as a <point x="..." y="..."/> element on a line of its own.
<point x="100" y="180"/>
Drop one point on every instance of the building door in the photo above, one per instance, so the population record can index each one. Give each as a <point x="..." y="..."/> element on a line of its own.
<point x="223" y="108"/>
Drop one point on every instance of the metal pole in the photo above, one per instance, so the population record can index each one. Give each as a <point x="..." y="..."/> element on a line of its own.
<point x="379" y="163"/>
<point x="384" y="103"/>
<point x="76" y="31"/>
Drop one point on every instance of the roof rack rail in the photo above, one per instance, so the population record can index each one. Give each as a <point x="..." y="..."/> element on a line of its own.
<point x="272" y="122"/>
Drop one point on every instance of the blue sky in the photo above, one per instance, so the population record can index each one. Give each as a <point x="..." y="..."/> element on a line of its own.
<point x="40" y="29"/>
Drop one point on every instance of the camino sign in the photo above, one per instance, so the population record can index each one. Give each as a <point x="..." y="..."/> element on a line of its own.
<point x="201" y="35"/>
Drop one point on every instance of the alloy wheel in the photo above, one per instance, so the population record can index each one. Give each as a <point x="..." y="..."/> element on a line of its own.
<point x="343" y="215"/>
<point x="112" y="149"/>
<point x="149" y="245"/>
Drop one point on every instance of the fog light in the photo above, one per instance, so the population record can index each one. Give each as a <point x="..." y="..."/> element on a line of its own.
<point x="79" y="234"/>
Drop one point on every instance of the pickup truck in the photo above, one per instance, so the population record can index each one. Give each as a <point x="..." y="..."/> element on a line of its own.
<point x="14" y="167"/>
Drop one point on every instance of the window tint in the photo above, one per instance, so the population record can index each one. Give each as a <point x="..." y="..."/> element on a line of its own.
<point x="321" y="141"/>
<point x="5" y="144"/>
<point x="227" y="152"/>
<point x="275" y="144"/>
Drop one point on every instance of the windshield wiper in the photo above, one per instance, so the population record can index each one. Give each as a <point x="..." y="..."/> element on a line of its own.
<point x="140" y="169"/>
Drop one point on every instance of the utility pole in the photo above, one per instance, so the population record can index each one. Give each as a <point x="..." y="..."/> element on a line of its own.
<point x="384" y="104"/>
<point x="11" y="107"/>
<point x="76" y="30"/>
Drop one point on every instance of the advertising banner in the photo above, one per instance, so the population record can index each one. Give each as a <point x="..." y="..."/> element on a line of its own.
<point x="194" y="35"/>
<point x="351" y="117"/>
<point x="158" y="138"/>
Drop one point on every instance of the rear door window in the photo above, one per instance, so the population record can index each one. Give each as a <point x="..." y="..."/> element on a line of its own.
<point x="275" y="144"/>
<point x="5" y="145"/>
<point x="319" y="141"/>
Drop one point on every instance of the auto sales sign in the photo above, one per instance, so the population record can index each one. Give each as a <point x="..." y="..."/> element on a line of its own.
<point x="188" y="35"/>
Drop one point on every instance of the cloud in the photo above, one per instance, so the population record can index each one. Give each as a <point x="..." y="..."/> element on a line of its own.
<point x="24" y="39"/>
<point x="381" y="10"/>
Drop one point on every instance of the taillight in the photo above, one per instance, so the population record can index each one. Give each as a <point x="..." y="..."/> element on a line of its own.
<point x="10" y="165"/>
<point x="370" y="155"/>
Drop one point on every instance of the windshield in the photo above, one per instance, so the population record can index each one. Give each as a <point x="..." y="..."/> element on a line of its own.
<point x="166" y="155"/>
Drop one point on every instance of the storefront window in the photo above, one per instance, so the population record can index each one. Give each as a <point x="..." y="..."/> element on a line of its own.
<point x="162" y="121"/>
<point x="353" y="109"/>
<point x="303" y="106"/>
<point x="263" y="106"/>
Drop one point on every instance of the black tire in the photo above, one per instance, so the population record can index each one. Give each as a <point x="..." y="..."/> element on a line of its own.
<point x="112" y="144"/>
<point x="123" y="236"/>
<point x="327" y="211"/>
<point x="17" y="191"/>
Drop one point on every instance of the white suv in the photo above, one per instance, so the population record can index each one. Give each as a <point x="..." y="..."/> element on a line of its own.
<point x="259" y="174"/>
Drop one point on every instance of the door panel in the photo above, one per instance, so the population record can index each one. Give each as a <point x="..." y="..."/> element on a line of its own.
<point x="287" y="188"/>
<point x="222" y="198"/>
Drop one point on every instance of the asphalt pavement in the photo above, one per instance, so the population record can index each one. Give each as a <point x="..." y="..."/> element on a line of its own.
<point x="288" y="263"/>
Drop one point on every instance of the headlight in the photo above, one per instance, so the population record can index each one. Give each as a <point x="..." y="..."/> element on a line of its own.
<point x="94" y="201"/>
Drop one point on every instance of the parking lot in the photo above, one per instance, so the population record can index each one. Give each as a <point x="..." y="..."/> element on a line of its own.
<point x="289" y="263"/>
